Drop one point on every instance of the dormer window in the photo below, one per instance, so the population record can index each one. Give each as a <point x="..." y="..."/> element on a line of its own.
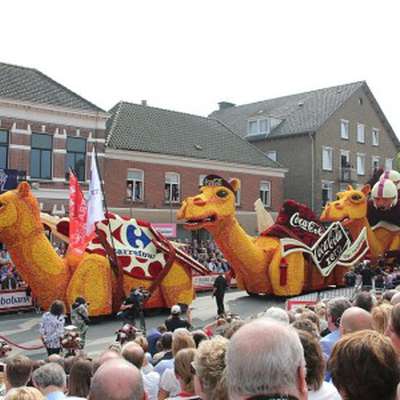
<point x="260" y="126"/>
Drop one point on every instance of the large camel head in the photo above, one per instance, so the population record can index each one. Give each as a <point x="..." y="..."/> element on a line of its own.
<point x="350" y="205"/>
<point x="19" y="214"/>
<point x="214" y="203"/>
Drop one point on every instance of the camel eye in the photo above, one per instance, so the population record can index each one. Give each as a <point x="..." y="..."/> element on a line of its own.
<point x="222" y="193"/>
<point x="356" y="197"/>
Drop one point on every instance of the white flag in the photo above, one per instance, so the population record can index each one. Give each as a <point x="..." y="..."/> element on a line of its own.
<point x="95" y="200"/>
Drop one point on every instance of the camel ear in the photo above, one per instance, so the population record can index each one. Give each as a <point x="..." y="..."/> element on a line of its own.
<point x="349" y="187"/>
<point x="366" y="189"/>
<point x="23" y="189"/>
<point x="235" y="183"/>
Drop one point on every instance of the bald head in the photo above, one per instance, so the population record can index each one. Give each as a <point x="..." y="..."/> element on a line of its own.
<point x="355" y="319"/>
<point x="133" y="353"/>
<point x="395" y="299"/>
<point x="265" y="357"/>
<point x="104" y="357"/>
<point x="117" y="380"/>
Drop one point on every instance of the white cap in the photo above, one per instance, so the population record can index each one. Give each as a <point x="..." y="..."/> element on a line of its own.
<point x="385" y="188"/>
<point x="393" y="175"/>
<point x="175" y="309"/>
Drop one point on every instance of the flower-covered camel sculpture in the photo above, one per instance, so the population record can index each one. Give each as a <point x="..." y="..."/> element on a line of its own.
<point x="103" y="285"/>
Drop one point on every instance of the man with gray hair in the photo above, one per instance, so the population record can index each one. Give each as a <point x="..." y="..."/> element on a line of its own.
<point x="117" y="379"/>
<point x="51" y="380"/>
<point x="265" y="359"/>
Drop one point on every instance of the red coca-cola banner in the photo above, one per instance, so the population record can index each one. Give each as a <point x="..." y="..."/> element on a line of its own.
<point x="77" y="217"/>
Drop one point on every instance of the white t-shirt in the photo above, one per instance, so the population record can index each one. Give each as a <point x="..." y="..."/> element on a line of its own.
<point x="326" y="392"/>
<point x="151" y="383"/>
<point x="169" y="383"/>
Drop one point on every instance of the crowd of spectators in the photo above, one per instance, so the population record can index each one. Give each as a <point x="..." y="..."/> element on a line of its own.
<point x="337" y="349"/>
<point x="207" y="253"/>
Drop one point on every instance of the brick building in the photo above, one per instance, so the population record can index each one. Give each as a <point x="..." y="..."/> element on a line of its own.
<point x="46" y="128"/>
<point x="327" y="138"/>
<point x="155" y="158"/>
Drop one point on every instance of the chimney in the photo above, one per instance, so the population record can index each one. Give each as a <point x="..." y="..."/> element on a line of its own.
<point x="223" y="105"/>
<point x="144" y="102"/>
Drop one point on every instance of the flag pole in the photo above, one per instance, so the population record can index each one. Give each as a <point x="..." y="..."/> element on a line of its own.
<point x="114" y="258"/>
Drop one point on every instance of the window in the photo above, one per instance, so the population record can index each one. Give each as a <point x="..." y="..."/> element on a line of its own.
<point x="3" y="149"/>
<point x="375" y="162"/>
<point x="271" y="154"/>
<point x="327" y="192"/>
<point x="344" y="129"/>
<point x="389" y="164"/>
<point x="134" y="185"/>
<point x="360" y="133"/>
<point x="360" y="164"/>
<point x="327" y="158"/>
<point x="41" y="156"/>
<point x="259" y="126"/>
<point x="265" y="193"/>
<point x="76" y="156"/>
<point x="375" y="137"/>
<point x="172" y="190"/>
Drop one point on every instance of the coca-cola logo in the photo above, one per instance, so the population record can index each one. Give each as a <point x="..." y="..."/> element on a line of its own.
<point x="306" y="225"/>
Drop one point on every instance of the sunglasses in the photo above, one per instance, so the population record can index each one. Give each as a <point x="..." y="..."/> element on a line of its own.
<point x="193" y="368"/>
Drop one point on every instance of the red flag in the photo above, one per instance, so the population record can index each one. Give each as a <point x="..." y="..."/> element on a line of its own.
<point x="77" y="217"/>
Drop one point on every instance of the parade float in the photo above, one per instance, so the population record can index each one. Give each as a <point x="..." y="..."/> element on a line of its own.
<point x="124" y="253"/>
<point x="297" y="254"/>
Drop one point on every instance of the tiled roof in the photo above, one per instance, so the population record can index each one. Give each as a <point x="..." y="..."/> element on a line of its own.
<point x="300" y="113"/>
<point x="30" y="85"/>
<point x="148" y="129"/>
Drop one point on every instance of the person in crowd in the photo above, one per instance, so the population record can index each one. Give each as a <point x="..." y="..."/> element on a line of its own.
<point x="233" y="327"/>
<point x="317" y="388"/>
<point x="395" y="299"/>
<point x="79" y="379"/>
<point x="364" y="366"/>
<point x="219" y="288"/>
<point x="56" y="358"/>
<point x="80" y="318"/>
<point x="198" y="336"/>
<point x="165" y="353"/>
<point x="278" y="314"/>
<point x="51" y="380"/>
<point x="107" y="355"/>
<point x="144" y="344"/>
<point x="320" y="310"/>
<point x="115" y="380"/>
<point x="303" y="324"/>
<point x="388" y="295"/>
<point x="9" y="282"/>
<point x="335" y="309"/>
<point x="175" y="321"/>
<point x="18" y="371"/>
<point x="169" y="385"/>
<point x="24" y="393"/>
<point x="52" y="327"/>
<point x="364" y="300"/>
<point x="153" y="335"/>
<point x="208" y="367"/>
<point x="381" y="317"/>
<point x="185" y="375"/>
<point x="134" y="354"/>
<point x="393" y="328"/>
<point x="355" y="319"/>
<point x="265" y="359"/>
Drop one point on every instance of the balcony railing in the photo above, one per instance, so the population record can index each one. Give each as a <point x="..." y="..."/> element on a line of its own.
<point x="348" y="175"/>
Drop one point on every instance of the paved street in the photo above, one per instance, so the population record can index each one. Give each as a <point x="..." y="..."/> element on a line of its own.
<point x="23" y="328"/>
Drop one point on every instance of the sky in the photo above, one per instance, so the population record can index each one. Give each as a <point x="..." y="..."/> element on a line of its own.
<point x="188" y="55"/>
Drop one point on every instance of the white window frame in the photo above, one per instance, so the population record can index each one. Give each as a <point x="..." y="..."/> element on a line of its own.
<point x="330" y="184"/>
<point x="375" y="137"/>
<point x="168" y="199"/>
<point x="344" y="133"/>
<point x="388" y="164"/>
<point x="272" y="154"/>
<point x="360" y="133"/>
<point x="327" y="167"/>
<point x="134" y="181"/>
<point x="375" y="158"/>
<point x="268" y="190"/>
<point x="258" y="127"/>
<point x="360" y="156"/>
